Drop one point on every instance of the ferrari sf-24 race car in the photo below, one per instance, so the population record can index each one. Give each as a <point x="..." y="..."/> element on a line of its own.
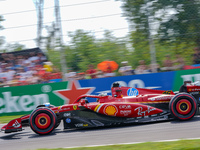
<point x="125" y="105"/>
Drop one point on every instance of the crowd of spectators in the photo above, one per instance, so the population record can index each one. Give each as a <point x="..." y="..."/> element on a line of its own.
<point x="125" y="69"/>
<point x="168" y="64"/>
<point x="26" y="69"/>
<point x="34" y="68"/>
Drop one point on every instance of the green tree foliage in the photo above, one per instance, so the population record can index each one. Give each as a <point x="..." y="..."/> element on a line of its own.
<point x="111" y="48"/>
<point x="86" y="49"/>
<point x="140" y="13"/>
<point x="183" y="24"/>
<point x="1" y="19"/>
<point x="13" y="47"/>
<point x="2" y="41"/>
<point x="184" y="49"/>
<point x="83" y="50"/>
<point x="141" y="48"/>
<point x="54" y="57"/>
<point x="177" y="20"/>
<point x="174" y="25"/>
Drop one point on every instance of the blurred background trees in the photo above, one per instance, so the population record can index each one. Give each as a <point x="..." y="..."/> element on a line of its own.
<point x="173" y="25"/>
<point x="1" y="28"/>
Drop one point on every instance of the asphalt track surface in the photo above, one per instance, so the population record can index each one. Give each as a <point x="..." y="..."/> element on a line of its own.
<point x="28" y="140"/>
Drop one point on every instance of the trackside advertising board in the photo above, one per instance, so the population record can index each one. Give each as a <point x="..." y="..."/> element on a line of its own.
<point x="24" y="99"/>
<point x="185" y="75"/>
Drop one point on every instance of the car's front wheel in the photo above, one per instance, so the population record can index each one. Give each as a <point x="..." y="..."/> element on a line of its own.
<point x="42" y="120"/>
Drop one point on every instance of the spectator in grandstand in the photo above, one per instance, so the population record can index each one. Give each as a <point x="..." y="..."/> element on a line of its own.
<point x="26" y="67"/>
<point x="3" y="74"/>
<point x="14" y="81"/>
<point x="33" y="57"/>
<point x="142" y="68"/>
<point x="26" y="60"/>
<point x="48" y="66"/>
<point x="30" y="72"/>
<point x="42" y="58"/>
<point x="1" y="84"/>
<point x="10" y="73"/>
<point x="20" y="59"/>
<point x="22" y="74"/>
<point x="167" y="64"/>
<point x="10" y="58"/>
<point x="179" y="63"/>
<point x="18" y="64"/>
<point x="196" y="55"/>
<point x="108" y="72"/>
<point x="41" y="71"/>
<point x="3" y="56"/>
<point x="100" y="74"/>
<point x="35" y="79"/>
<point x="3" y="66"/>
<point x="91" y="72"/>
<point x="0" y="67"/>
<point x="154" y="68"/>
<point x="80" y="76"/>
<point x="10" y="66"/>
<point x="125" y="69"/>
<point x="44" y="80"/>
<point x="4" y="82"/>
<point x="71" y="75"/>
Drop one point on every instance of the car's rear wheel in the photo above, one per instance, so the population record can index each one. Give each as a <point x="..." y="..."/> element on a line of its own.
<point x="183" y="106"/>
<point x="42" y="120"/>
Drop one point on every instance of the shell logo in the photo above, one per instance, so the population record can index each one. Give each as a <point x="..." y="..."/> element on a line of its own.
<point x="110" y="110"/>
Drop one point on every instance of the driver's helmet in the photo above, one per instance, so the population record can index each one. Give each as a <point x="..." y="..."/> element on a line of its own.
<point x="84" y="99"/>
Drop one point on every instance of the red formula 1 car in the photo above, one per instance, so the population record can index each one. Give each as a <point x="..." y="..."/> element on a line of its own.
<point x="125" y="105"/>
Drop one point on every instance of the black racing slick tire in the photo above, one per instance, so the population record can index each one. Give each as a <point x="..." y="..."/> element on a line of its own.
<point x="42" y="120"/>
<point x="58" y="123"/>
<point x="183" y="106"/>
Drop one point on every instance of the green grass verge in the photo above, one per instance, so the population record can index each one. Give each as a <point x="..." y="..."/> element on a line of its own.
<point x="175" y="145"/>
<point x="6" y="119"/>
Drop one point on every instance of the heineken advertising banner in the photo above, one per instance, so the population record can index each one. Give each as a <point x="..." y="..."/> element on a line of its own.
<point x="24" y="99"/>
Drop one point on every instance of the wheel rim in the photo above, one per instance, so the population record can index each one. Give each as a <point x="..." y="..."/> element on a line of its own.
<point x="184" y="107"/>
<point x="42" y="121"/>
